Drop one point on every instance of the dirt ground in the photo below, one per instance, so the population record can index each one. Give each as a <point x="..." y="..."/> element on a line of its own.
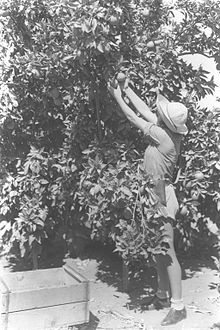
<point x="113" y="309"/>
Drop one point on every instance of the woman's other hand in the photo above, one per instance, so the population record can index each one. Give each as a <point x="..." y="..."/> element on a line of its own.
<point x="123" y="81"/>
<point x="114" y="90"/>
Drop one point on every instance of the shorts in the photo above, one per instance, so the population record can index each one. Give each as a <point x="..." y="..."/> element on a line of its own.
<point x="168" y="204"/>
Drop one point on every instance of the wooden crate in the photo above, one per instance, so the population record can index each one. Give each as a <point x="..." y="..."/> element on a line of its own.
<point x="43" y="299"/>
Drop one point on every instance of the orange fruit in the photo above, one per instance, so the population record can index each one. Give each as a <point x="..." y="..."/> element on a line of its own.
<point x="121" y="76"/>
<point x="184" y="210"/>
<point x="199" y="175"/>
<point x="188" y="185"/>
<point x="150" y="44"/>
<point x="127" y="213"/>
<point x="146" y="12"/>
<point x="113" y="20"/>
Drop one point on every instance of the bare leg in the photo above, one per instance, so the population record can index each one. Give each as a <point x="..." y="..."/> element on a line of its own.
<point x="177" y="312"/>
<point x="168" y="268"/>
<point x="163" y="289"/>
<point x="173" y="266"/>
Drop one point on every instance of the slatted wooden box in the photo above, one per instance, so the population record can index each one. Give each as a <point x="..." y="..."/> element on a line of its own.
<point x="43" y="299"/>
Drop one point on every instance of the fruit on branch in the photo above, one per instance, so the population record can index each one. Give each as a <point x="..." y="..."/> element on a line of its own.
<point x="146" y="12"/>
<point x="150" y="44"/>
<point x="121" y="77"/>
<point x="184" y="210"/>
<point x="188" y="185"/>
<point x="113" y="20"/>
<point x="199" y="175"/>
<point x="154" y="43"/>
<point x="127" y="213"/>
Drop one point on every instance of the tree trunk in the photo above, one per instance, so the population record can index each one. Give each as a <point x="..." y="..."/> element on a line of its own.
<point x="125" y="276"/>
<point x="97" y="107"/>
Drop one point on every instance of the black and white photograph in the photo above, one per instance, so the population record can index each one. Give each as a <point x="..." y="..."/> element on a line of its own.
<point x="110" y="164"/>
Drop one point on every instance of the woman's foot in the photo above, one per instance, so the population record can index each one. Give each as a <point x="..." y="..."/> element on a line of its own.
<point x="174" y="316"/>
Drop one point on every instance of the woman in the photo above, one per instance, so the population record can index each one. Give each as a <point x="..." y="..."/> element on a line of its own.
<point x="165" y="131"/>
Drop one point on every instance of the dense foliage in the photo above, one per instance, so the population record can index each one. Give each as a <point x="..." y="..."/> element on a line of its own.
<point x="68" y="155"/>
<point x="198" y="186"/>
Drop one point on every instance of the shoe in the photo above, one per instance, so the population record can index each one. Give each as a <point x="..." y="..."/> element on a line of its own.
<point x="174" y="316"/>
<point x="157" y="303"/>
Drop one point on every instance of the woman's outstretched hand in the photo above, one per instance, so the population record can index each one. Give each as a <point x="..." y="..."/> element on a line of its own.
<point x="123" y="83"/>
<point x="114" y="91"/>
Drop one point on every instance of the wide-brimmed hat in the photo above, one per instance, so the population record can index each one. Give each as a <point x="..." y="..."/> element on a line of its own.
<point x="173" y="114"/>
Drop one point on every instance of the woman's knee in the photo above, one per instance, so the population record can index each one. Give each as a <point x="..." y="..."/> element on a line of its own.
<point x="170" y="256"/>
<point x="168" y="230"/>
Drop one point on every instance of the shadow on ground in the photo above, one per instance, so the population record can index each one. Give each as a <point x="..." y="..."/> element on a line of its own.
<point x="52" y="256"/>
<point x="91" y="325"/>
<point x="142" y="279"/>
<point x="194" y="265"/>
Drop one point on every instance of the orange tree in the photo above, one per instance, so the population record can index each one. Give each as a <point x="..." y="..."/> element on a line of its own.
<point x="68" y="155"/>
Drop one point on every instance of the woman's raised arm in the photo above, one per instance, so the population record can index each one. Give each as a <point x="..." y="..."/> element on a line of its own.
<point x="129" y="113"/>
<point x="141" y="106"/>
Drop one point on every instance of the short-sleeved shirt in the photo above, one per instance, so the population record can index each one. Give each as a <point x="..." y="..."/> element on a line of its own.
<point x="162" y="152"/>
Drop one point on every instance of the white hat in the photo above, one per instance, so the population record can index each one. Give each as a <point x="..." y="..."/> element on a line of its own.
<point x="173" y="114"/>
